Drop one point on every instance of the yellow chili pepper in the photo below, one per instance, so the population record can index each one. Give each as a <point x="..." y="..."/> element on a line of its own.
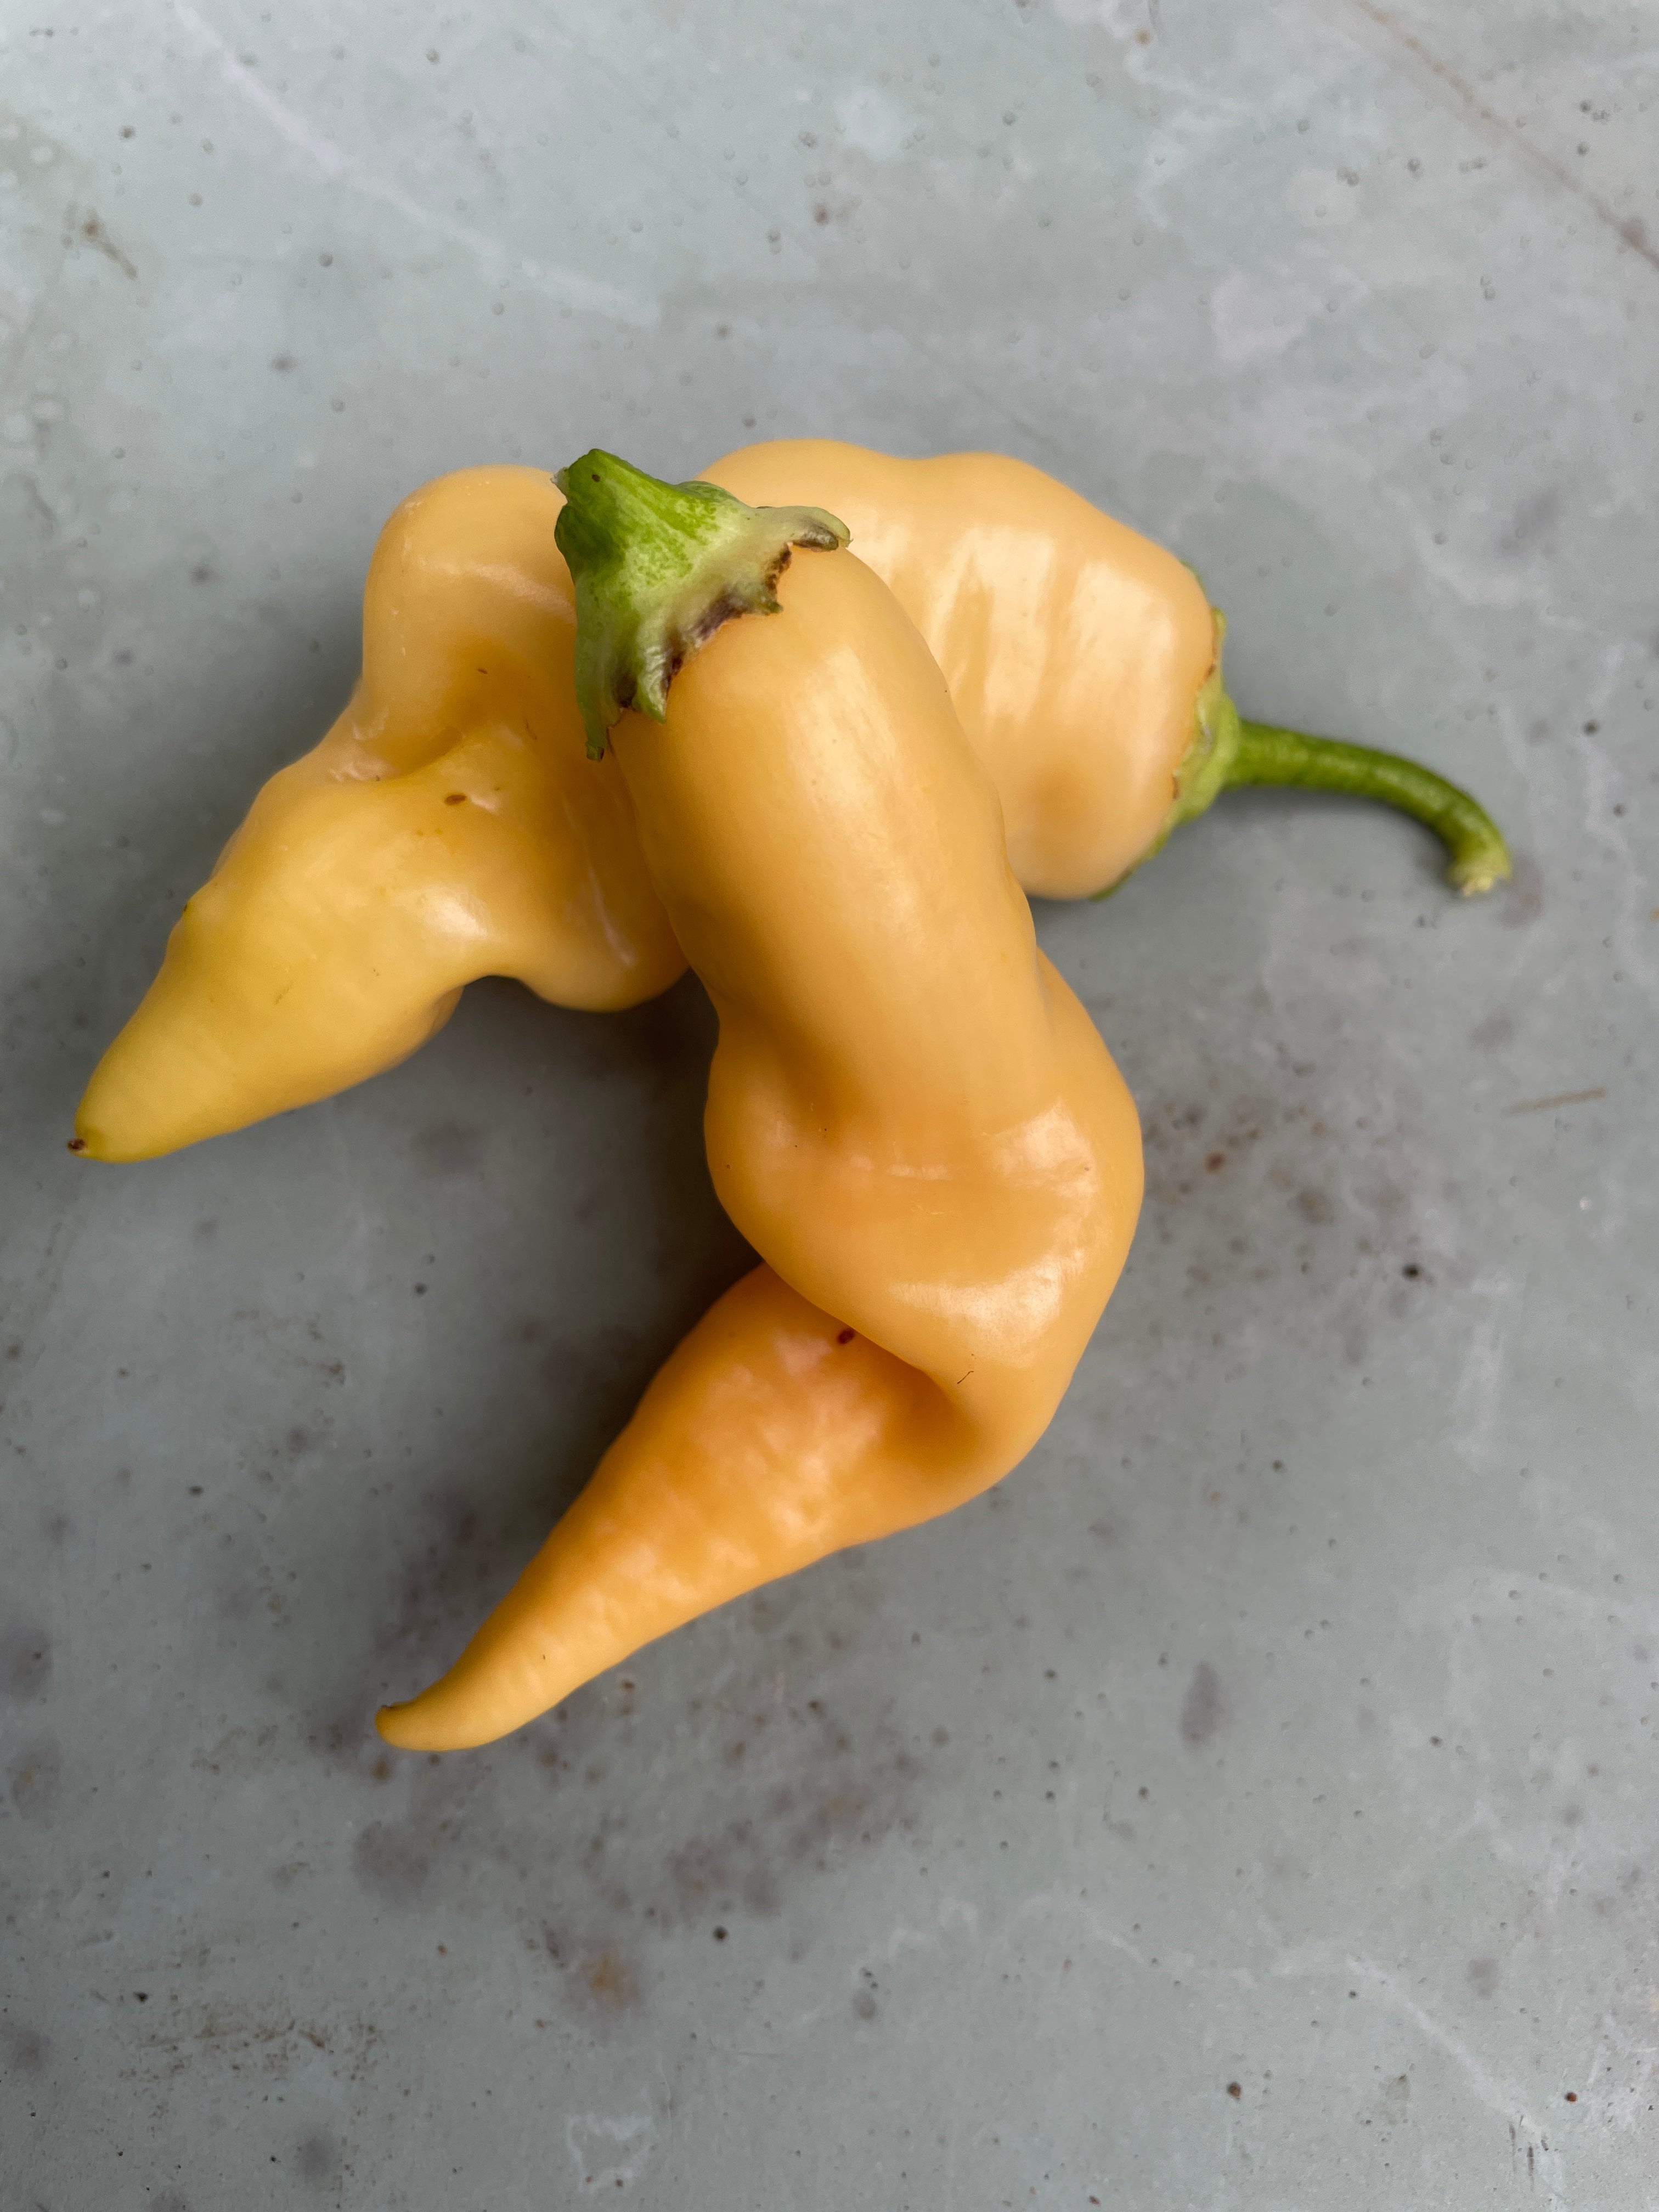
<point x="1084" y="662"/>
<point x="447" y="827"/>
<point x="910" y="1116"/>
<point x="343" y="917"/>
<point x="350" y="907"/>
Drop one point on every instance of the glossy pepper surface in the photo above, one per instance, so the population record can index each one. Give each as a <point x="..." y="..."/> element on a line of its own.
<point x="910" y="1116"/>
<point x="447" y="827"/>
<point x="1082" y="659"/>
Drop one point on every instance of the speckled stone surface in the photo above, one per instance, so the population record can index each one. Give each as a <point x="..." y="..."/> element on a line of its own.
<point x="1252" y="1804"/>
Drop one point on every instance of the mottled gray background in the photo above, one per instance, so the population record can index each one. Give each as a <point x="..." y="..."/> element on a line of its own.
<point x="1252" y="1804"/>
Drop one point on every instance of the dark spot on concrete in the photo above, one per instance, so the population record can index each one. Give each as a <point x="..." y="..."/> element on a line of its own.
<point x="170" y="2200"/>
<point x="1496" y="1031"/>
<point x="864" y="2005"/>
<point x="23" y="2051"/>
<point x="33" y="1777"/>
<point x="1314" y="1206"/>
<point x="1201" y="1707"/>
<point x="283" y="363"/>
<point x="1483" y="1975"/>
<point x="1235" y="2090"/>
<point x="1533" y="528"/>
<point x="1214" y="1162"/>
<point x="389" y="1863"/>
<point x="449" y="1148"/>
<point x="1572" y="2096"/>
<point x="200" y="574"/>
<point x="25" y="1662"/>
<point x="317" y="2159"/>
<point x="1411" y="1270"/>
<point x="719" y="1935"/>
<point x="92" y="230"/>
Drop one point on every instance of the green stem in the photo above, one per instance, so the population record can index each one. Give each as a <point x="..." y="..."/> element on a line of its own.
<point x="1265" y="755"/>
<point x="658" y="569"/>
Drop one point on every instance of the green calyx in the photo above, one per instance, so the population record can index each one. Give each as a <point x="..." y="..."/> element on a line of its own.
<point x="658" y="567"/>
<point x="1225" y="751"/>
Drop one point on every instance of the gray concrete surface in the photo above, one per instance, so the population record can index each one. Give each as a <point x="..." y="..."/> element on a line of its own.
<point x="1253" y="1803"/>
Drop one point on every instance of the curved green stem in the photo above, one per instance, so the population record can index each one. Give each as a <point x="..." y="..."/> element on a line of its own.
<point x="1265" y="755"/>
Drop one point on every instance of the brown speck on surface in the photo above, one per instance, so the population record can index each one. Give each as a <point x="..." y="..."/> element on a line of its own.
<point x="1214" y="1162"/>
<point x="1572" y="2096"/>
<point x="76" y="1145"/>
<point x="1235" y="2090"/>
<point x="455" y="799"/>
<point x="92" y="230"/>
<point x="608" y="1979"/>
<point x="1560" y="1098"/>
<point x="846" y="1336"/>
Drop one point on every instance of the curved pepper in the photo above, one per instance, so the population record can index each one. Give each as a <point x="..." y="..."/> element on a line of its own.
<point x="910" y="1116"/>
<point x="446" y="827"/>
<point x="1083" y="661"/>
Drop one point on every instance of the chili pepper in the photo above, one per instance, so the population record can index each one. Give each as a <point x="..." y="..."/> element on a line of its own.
<point x="1084" y="662"/>
<point x="910" y="1115"/>
<point x="447" y="827"/>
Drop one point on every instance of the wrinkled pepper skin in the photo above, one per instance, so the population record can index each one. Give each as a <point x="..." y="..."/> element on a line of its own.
<point x="1082" y="659"/>
<point x="446" y="827"/>
<point x="1074" y="649"/>
<point x="355" y="900"/>
<point x="910" y="1116"/>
